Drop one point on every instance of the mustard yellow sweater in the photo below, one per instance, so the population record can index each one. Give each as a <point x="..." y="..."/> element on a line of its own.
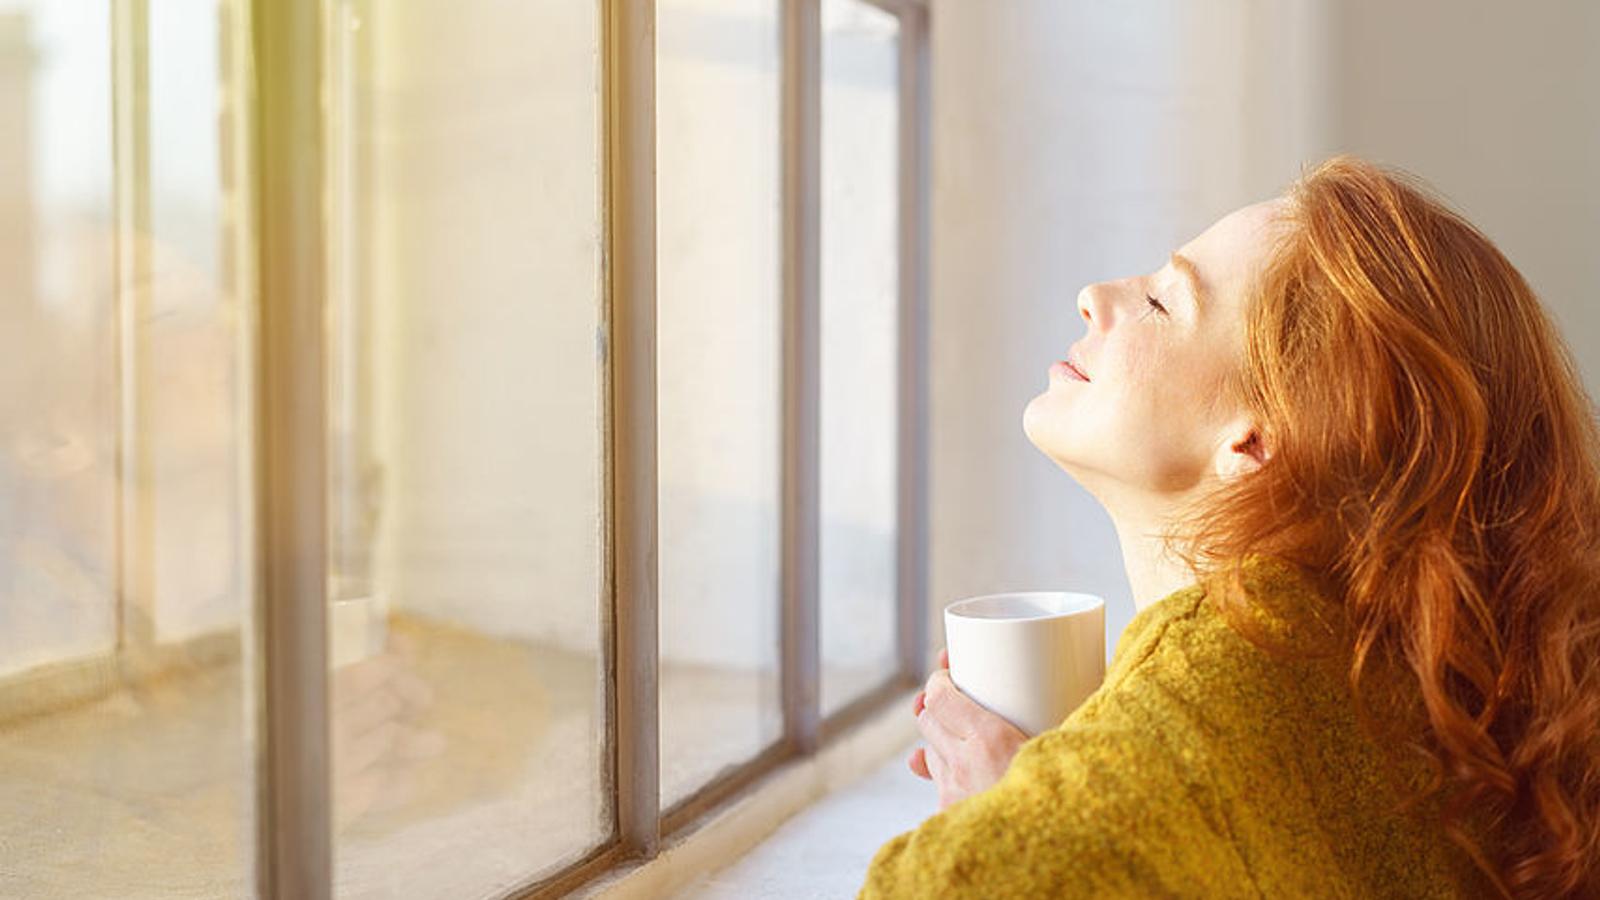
<point x="1202" y="767"/>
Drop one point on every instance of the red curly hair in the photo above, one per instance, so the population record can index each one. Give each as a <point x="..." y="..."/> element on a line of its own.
<point x="1435" y="458"/>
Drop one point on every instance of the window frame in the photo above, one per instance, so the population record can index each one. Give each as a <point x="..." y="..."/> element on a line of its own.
<point x="633" y="664"/>
<point x="276" y="163"/>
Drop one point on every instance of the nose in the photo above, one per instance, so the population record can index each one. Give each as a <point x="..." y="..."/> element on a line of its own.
<point x="1091" y="305"/>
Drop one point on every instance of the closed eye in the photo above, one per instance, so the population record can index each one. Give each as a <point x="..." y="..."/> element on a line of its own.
<point x="1156" y="304"/>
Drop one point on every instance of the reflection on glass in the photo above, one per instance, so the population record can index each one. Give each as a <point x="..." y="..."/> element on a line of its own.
<point x="125" y="769"/>
<point x="719" y="368"/>
<point x="469" y="738"/>
<point x="860" y="291"/>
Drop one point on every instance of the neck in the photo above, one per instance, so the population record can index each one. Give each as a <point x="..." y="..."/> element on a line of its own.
<point x="1153" y="571"/>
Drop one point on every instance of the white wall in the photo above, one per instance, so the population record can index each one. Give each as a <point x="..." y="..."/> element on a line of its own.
<point x="1075" y="141"/>
<point x="1498" y="106"/>
<point x="486" y="300"/>
<point x="718" y="328"/>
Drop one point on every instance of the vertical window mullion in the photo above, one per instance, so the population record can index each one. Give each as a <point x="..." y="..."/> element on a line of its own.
<point x="294" y="858"/>
<point x="630" y="199"/>
<point x="135" y="544"/>
<point x="801" y="142"/>
<point x="913" y="428"/>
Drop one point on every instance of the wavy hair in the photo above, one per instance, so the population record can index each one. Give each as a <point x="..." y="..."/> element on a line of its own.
<point x="1435" y="458"/>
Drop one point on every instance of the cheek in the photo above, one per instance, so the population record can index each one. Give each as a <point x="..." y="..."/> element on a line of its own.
<point x="1107" y="414"/>
<point x="1157" y="419"/>
<point x="1143" y="423"/>
<point x="1142" y="367"/>
<point x="1136" y="402"/>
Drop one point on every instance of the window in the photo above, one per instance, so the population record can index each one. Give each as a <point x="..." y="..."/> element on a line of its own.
<point x="126" y="740"/>
<point x="719" y="391"/>
<point x="600" y="359"/>
<point x="466" y="447"/>
<point x="861" y="322"/>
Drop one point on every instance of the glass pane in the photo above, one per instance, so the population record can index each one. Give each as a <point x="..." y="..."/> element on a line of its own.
<point x="719" y="371"/>
<point x="860" y="372"/>
<point x="466" y="494"/>
<point x="126" y="766"/>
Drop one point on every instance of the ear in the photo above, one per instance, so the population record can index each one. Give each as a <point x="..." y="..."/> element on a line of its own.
<point x="1244" y="450"/>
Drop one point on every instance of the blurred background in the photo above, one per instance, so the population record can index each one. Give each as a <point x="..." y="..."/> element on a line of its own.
<point x="1070" y="142"/>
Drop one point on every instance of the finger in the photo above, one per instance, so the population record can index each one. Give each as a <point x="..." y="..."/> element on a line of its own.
<point x="374" y="710"/>
<point x="940" y="739"/>
<point x="918" y="761"/>
<point x="944" y="658"/>
<point x="411" y="688"/>
<point x="933" y="761"/>
<point x="417" y="744"/>
<point x="939" y="774"/>
<point x="954" y="710"/>
<point x="917" y="703"/>
<point x="367" y="749"/>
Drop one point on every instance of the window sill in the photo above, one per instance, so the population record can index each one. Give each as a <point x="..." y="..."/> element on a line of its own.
<point x="825" y="850"/>
<point x="725" y="835"/>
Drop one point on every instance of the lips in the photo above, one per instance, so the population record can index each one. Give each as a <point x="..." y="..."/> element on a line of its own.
<point x="1073" y="363"/>
<point x="1063" y="370"/>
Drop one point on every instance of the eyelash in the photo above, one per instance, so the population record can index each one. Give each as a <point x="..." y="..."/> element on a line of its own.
<point x="1155" y="304"/>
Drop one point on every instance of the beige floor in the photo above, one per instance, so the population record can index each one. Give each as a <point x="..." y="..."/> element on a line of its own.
<point x="491" y="774"/>
<point x="137" y="794"/>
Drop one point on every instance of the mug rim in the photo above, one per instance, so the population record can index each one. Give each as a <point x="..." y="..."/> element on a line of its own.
<point x="1080" y="602"/>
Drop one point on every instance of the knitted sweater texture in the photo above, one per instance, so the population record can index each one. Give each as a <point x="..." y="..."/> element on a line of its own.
<point x="1202" y="767"/>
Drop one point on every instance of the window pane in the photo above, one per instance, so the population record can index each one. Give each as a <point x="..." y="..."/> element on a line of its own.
<point x="125" y="766"/>
<point x="466" y="443"/>
<point x="719" y="371"/>
<point x="860" y="371"/>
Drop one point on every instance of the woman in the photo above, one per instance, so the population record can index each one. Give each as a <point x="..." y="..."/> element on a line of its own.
<point x="1357" y="485"/>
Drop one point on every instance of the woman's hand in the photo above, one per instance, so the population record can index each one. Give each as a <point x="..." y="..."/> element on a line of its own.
<point x="379" y="742"/>
<point x="969" y="747"/>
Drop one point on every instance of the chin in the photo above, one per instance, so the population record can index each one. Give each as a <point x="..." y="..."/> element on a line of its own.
<point x="1033" y="421"/>
<point x="1050" y="437"/>
<point x="1047" y="428"/>
<point x="1045" y="437"/>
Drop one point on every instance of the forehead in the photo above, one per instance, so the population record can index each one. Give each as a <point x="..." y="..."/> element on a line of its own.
<point x="1235" y="246"/>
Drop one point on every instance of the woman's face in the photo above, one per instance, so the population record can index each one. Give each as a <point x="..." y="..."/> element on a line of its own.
<point x="1159" y="349"/>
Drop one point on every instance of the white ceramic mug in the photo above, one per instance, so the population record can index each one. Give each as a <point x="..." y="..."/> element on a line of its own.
<point x="1030" y="657"/>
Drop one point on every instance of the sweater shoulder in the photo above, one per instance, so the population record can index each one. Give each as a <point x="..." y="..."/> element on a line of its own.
<point x="1194" y="661"/>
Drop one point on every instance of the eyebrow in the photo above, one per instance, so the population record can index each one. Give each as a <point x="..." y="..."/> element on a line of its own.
<point x="1191" y="274"/>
